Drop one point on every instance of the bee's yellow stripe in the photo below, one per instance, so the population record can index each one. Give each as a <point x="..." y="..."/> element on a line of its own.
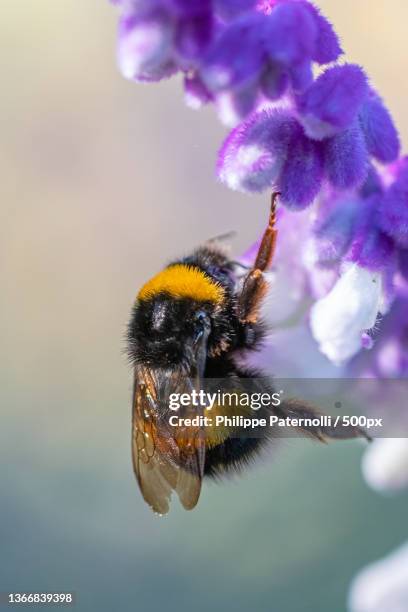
<point x="182" y="281"/>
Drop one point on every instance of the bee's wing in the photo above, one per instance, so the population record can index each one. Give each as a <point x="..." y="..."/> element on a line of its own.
<point x="165" y="458"/>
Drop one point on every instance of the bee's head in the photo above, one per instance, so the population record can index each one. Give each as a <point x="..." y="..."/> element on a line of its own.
<point x="178" y="314"/>
<point x="165" y="332"/>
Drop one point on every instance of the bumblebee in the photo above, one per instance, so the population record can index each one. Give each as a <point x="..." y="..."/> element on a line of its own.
<point x="193" y="322"/>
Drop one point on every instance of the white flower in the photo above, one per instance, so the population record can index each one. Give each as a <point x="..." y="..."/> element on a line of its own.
<point x="382" y="586"/>
<point x="351" y="307"/>
<point x="385" y="464"/>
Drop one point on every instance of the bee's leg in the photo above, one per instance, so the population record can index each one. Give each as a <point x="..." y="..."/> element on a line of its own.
<point x="298" y="409"/>
<point x="255" y="285"/>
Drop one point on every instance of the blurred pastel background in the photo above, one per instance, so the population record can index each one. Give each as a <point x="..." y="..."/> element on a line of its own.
<point x="103" y="181"/>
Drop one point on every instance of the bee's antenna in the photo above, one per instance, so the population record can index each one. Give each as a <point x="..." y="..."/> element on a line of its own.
<point x="222" y="237"/>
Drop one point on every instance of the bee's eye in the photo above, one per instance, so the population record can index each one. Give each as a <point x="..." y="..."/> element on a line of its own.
<point x="200" y="317"/>
<point x="201" y="322"/>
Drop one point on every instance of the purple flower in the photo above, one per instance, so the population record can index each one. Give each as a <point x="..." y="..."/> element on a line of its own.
<point x="379" y="130"/>
<point x="253" y="155"/>
<point x="335" y="228"/>
<point x="301" y="75"/>
<point x="346" y="158"/>
<point x="258" y="55"/>
<point x="389" y="355"/>
<point x="237" y="54"/>
<point x="372" y="184"/>
<point x="233" y="106"/>
<point x="196" y="94"/>
<point x="403" y="263"/>
<point x="159" y="37"/>
<point x="144" y="49"/>
<point x="242" y="51"/>
<point x="373" y="249"/>
<point x="290" y="33"/>
<point x="332" y="103"/>
<point x="394" y="209"/>
<point x="274" y="82"/>
<point x="303" y="163"/>
<point x="302" y="173"/>
<point x="327" y="46"/>
<point x="328" y="144"/>
<point x="271" y="151"/>
<point x="192" y="37"/>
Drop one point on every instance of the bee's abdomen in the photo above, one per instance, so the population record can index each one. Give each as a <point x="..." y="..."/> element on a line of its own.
<point x="233" y="454"/>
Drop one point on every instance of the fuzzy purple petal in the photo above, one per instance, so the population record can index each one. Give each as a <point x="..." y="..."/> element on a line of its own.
<point x="379" y="130"/>
<point x="301" y="75"/>
<point x="274" y="82"/>
<point x="252" y="156"/>
<point x="403" y="262"/>
<point x="371" y="247"/>
<point x="196" y="94"/>
<point x="193" y="37"/>
<point x="302" y="173"/>
<point x="237" y="56"/>
<point x="333" y="101"/>
<point x="144" y="46"/>
<point x="290" y="33"/>
<point x="394" y="210"/>
<point x="335" y="230"/>
<point x="234" y="106"/>
<point x="346" y="159"/>
<point x="374" y="251"/>
<point x="327" y="48"/>
<point x="165" y="71"/>
<point x="372" y="184"/>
